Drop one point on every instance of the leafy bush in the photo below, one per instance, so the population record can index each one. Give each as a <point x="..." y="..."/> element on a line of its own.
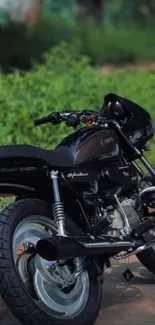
<point x="65" y="81"/>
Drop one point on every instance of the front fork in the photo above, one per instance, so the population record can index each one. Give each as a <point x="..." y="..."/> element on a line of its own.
<point x="58" y="207"/>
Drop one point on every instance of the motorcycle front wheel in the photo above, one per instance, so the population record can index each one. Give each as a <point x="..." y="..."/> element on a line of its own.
<point x="147" y="258"/>
<point x="36" y="291"/>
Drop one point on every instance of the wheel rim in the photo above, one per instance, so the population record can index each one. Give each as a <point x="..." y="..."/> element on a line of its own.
<point x="44" y="291"/>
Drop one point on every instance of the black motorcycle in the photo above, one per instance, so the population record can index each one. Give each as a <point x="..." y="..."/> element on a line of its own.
<point x="76" y="207"/>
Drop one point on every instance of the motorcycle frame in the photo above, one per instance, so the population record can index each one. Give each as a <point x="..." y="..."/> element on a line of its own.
<point x="135" y="153"/>
<point x="42" y="188"/>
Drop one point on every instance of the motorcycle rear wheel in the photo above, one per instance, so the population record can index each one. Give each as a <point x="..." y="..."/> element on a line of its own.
<point x="25" y="290"/>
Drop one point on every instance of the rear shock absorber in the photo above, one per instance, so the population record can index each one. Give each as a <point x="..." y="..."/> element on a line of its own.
<point x="58" y="208"/>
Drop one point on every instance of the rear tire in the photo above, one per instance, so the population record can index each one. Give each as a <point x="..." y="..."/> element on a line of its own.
<point x="13" y="289"/>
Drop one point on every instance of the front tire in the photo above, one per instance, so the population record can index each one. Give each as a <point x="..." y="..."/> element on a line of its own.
<point x="147" y="258"/>
<point x="18" y="293"/>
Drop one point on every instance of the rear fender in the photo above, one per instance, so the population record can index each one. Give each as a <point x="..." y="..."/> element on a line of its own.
<point x="24" y="181"/>
<point x="12" y="189"/>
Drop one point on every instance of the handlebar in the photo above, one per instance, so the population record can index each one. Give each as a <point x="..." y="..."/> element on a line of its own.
<point x="51" y="118"/>
<point x="74" y="118"/>
<point x="41" y="121"/>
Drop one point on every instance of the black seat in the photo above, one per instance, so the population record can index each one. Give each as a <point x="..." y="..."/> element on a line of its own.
<point x="60" y="157"/>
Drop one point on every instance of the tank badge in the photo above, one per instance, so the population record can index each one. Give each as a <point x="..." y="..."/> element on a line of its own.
<point x="72" y="175"/>
<point x="104" y="142"/>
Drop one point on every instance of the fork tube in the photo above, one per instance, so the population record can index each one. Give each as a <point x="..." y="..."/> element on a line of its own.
<point x="147" y="165"/>
<point x="139" y="170"/>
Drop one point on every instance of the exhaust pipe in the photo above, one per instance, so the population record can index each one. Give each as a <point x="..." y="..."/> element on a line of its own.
<point x="59" y="248"/>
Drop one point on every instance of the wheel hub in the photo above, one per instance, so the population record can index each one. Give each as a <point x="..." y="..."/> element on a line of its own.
<point x="52" y="272"/>
<point x="52" y="286"/>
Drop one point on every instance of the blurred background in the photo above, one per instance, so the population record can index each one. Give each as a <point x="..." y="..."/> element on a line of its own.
<point x="68" y="54"/>
<point x="113" y="32"/>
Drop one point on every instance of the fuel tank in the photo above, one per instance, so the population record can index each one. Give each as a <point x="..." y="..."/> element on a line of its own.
<point x="93" y="145"/>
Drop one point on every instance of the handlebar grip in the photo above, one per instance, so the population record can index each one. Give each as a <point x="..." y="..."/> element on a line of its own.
<point x="42" y="120"/>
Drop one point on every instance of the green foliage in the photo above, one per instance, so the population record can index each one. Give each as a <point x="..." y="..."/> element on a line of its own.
<point x="122" y="13"/>
<point x="130" y="13"/>
<point x="65" y="81"/>
<point x="5" y="202"/>
<point x="20" y="47"/>
<point x="61" y="7"/>
<point x="117" y="46"/>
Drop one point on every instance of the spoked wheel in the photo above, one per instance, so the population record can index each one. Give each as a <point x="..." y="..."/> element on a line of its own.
<point x="38" y="291"/>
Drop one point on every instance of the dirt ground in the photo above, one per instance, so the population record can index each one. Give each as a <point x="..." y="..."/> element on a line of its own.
<point x="124" y="303"/>
<point x="109" y="69"/>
